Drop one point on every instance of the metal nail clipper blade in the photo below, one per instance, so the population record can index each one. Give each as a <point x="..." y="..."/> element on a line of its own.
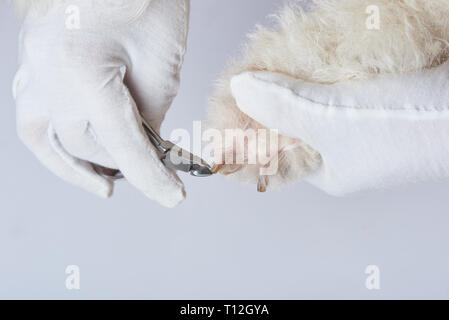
<point x="170" y="154"/>
<point x="177" y="158"/>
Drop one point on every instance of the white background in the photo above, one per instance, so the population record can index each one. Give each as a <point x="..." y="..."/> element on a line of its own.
<point x="225" y="241"/>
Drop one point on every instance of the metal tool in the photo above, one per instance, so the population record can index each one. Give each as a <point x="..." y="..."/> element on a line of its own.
<point x="175" y="157"/>
<point x="170" y="154"/>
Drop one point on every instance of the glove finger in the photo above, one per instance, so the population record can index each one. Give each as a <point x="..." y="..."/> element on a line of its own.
<point x="40" y="137"/>
<point x="263" y="101"/>
<point x="275" y="105"/>
<point x="294" y="107"/>
<point x="80" y="140"/>
<point x="115" y="118"/>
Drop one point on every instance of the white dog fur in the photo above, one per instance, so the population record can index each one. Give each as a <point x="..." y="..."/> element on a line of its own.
<point x="329" y="43"/>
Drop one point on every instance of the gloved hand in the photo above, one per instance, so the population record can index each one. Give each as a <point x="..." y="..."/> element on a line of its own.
<point x="377" y="133"/>
<point x="74" y="110"/>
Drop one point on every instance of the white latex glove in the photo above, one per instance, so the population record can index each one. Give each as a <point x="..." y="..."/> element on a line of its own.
<point x="73" y="108"/>
<point x="371" y="134"/>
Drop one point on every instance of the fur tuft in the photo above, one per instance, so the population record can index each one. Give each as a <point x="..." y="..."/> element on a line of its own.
<point x="329" y="44"/>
